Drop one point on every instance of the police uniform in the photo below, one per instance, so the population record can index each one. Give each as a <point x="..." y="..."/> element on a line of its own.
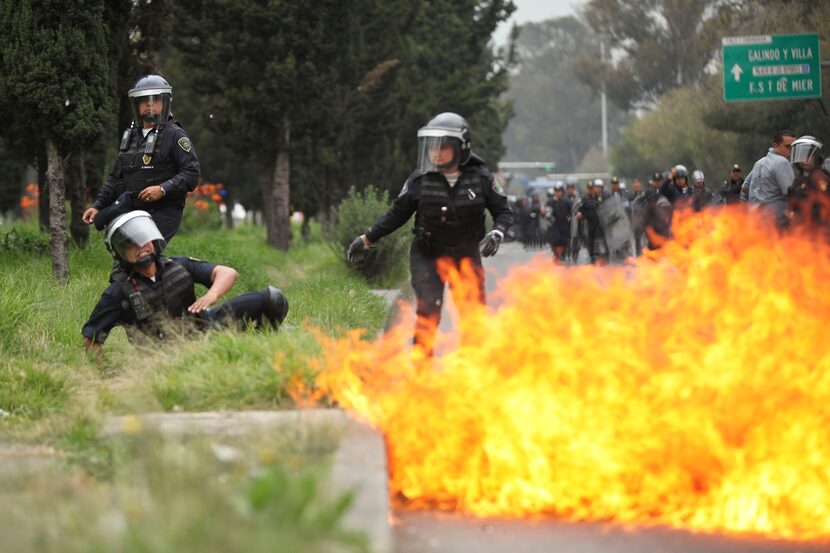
<point x="449" y="221"/>
<point x="172" y="164"/>
<point x="147" y="306"/>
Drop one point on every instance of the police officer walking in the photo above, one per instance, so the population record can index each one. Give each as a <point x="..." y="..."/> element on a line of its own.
<point x="448" y="193"/>
<point x="156" y="165"/>
<point x="154" y="295"/>
<point x="589" y="212"/>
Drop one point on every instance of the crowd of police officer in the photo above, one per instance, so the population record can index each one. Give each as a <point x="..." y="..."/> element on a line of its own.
<point x="790" y="183"/>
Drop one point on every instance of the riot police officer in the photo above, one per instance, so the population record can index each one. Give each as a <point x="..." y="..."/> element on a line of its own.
<point x="156" y="165"/>
<point x="809" y="196"/>
<point x="155" y="296"/>
<point x="448" y="193"/>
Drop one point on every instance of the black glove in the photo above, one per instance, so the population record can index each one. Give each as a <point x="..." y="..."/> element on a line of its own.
<point x="357" y="250"/>
<point x="489" y="245"/>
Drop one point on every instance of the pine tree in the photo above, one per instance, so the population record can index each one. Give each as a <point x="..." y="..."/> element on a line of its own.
<point x="55" y="84"/>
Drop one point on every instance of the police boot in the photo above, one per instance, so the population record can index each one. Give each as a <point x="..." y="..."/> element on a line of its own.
<point x="276" y="306"/>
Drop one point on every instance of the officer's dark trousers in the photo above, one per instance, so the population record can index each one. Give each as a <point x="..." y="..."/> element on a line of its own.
<point x="246" y="308"/>
<point x="428" y="285"/>
<point x="168" y="219"/>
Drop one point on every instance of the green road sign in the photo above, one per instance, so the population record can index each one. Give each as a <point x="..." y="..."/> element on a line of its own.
<point x="771" y="67"/>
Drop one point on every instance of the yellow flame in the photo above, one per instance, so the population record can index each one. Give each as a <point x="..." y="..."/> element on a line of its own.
<point x="691" y="388"/>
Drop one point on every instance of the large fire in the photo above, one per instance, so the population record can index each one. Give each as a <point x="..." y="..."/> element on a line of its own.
<point x="691" y="388"/>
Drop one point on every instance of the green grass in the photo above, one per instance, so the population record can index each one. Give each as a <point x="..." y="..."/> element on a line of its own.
<point x="45" y="372"/>
<point x="253" y="494"/>
<point x="145" y="493"/>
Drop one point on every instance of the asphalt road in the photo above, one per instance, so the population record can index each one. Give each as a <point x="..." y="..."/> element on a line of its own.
<point x="429" y="532"/>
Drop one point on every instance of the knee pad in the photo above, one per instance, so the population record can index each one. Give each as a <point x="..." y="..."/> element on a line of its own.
<point x="276" y="306"/>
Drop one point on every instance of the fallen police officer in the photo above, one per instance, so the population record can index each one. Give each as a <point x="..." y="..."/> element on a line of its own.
<point x="154" y="296"/>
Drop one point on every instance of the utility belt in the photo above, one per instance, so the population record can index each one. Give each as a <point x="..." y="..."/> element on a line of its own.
<point x="462" y="246"/>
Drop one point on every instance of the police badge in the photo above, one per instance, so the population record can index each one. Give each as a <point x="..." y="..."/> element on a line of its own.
<point x="147" y="158"/>
<point x="184" y="143"/>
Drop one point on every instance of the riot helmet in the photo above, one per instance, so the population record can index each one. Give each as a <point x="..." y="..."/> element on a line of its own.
<point x="697" y="177"/>
<point x="806" y="153"/>
<point x="127" y="234"/>
<point x="150" y="99"/>
<point x="443" y="143"/>
<point x="681" y="173"/>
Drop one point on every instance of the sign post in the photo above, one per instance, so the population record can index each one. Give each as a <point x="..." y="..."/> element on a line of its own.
<point x="771" y="67"/>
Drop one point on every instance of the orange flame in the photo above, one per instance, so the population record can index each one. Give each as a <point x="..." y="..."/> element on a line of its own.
<point x="691" y="388"/>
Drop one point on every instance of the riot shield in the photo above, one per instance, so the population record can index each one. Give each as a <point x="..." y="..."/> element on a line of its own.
<point x="614" y="223"/>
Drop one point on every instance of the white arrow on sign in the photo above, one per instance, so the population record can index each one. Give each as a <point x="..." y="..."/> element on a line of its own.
<point x="736" y="72"/>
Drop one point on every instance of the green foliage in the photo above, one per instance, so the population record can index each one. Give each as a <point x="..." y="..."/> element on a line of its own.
<point x="24" y="239"/>
<point x="55" y="69"/>
<point x="30" y="392"/>
<point x="198" y="220"/>
<point x="357" y="80"/>
<point x="254" y="494"/>
<point x="658" y="45"/>
<point x="386" y="261"/>
<point x="648" y="147"/>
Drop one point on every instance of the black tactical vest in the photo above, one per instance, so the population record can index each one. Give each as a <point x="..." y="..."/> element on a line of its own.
<point x="168" y="297"/>
<point x="142" y="169"/>
<point x="452" y="219"/>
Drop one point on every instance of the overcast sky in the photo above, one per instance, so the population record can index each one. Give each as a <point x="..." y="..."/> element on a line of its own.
<point x="536" y="10"/>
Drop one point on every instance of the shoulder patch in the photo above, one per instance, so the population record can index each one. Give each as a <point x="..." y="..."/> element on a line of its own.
<point x="184" y="143"/>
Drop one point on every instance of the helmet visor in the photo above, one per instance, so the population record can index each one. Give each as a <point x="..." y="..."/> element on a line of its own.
<point x="804" y="153"/>
<point x="150" y="108"/>
<point x="128" y="239"/>
<point x="438" y="152"/>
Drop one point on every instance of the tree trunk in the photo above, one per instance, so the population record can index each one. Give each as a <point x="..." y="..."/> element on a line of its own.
<point x="230" y="203"/>
<point x="76" y="185"/>
<point x="43" y="197"/>
<point x="57" y="213"/>
<point x="277" y="222"/>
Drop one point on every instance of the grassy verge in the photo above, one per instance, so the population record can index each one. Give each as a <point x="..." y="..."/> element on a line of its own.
<point x="45" y="374"/>
<point x="52" y="392"/>
<point x="202" y="494"/>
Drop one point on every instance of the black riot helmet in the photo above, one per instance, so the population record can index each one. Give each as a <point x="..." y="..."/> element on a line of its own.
<point x="150" y="99"/>
<point x="806" y="153"/>
<point x="443" y="131"/>
<point x="127" y="233"/>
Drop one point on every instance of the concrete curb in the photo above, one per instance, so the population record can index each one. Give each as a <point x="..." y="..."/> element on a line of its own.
<point x="358" y="466"/>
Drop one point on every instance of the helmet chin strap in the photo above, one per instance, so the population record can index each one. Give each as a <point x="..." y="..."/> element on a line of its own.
<point x="146" y="261"/>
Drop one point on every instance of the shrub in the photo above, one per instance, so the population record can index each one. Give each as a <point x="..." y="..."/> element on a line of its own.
<point x="200" y="215"/>
<point x="25" y="239"/>
<point x="385" y="264"/>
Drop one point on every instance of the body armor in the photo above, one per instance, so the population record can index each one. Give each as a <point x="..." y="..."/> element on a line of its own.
<point x="142" y="169"/>
<point x="154" y="302"/>
<point x="451" y="219"/>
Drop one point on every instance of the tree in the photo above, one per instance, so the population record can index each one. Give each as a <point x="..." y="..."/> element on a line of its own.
<point x="657" y="45"/>
<point x="558" y="117"/>
<point x="759" y="121"/>
<point x="320" y="100"/>
<point x="281" y="52"/>
<point x="674" y="132"/>
<point x="55" y="81"/>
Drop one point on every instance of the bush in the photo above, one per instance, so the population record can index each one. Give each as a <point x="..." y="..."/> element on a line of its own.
<point x="23" y="239"/>
<point x="199" y="216"/>
<point x="386" y="263"/>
